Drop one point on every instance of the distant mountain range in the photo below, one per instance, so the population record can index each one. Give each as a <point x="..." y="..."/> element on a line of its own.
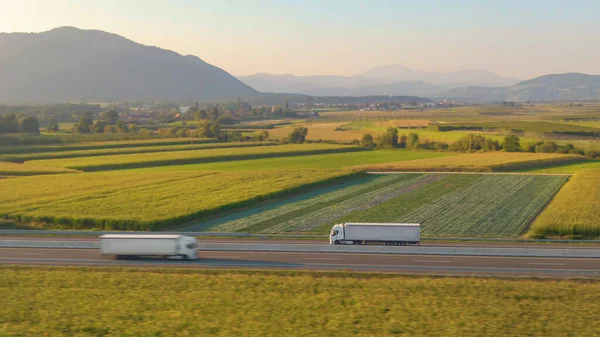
<point x="383" y="80"/>
<point x="67" y="64"/>
<point x="555" y="87"/>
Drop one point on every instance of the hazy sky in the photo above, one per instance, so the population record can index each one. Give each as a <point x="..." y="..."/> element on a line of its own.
<point x="514" y="38"/>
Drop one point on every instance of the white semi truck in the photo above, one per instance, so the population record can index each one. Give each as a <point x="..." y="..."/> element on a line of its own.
<point x="390" y="234"/>
<point x="129" y="246"/>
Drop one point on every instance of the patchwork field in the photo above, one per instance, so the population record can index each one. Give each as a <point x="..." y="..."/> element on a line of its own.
<point x="126" y="150"/>
<point x="13" y="149"/>
<point x="13" y="169"/>
<point x="127" y="161"/>
<point x="143" y="201"/>
<point x="122" y="302"/>
<point x="574" y="211"/>
<point x="445" y="205"/>
<point x="319" y="161"/>
<point x="479" y="162"/>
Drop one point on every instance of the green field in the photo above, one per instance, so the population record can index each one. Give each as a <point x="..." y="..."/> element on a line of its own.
<point x="127" y="161"/>
<point x="14" y="149"/>
<point x="151" y="302"/>
<point x="567" y="168"/>
<point x="143" y="201"/>
<point x="479" y="162"/>
<point x="126" y="150"/>
<point x="13" y="169"/>
<point x="320" y="161"/>
<point x="445" y="205"/>
<point x="575" y="211"/>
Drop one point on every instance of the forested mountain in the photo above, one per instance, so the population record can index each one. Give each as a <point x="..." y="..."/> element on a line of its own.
<point x="67" y="64"/>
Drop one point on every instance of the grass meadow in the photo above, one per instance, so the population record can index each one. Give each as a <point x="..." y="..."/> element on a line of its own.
<point x="152" y="302"/>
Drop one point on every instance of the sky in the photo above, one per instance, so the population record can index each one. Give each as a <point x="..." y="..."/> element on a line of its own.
<point x="522" y="39"/>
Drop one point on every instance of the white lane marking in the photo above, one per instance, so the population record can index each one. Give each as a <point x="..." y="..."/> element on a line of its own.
<point x="27" y="254"/>
<point x="546" y="264"/>
<point x="218" y="257"/>
<point x="432" y="261"/>
<point x="324" y="258"/>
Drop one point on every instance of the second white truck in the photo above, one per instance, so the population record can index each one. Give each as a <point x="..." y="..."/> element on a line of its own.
<point x="390" y="234"/>
<point x="128" y="246"/>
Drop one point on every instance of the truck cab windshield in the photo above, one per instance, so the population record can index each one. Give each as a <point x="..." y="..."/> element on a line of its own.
<point x="334" y="233"/>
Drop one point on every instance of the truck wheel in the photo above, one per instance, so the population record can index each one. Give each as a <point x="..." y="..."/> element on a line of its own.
<point x="336" y="242"/>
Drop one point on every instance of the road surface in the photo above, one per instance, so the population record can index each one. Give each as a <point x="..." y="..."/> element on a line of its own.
<point x="472" y="244"/>
<point x="390" y="263"/>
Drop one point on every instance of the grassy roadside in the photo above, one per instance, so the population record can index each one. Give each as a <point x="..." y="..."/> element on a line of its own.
<point x="123" y="302"/>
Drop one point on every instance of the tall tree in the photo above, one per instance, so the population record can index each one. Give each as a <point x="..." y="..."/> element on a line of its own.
<point x="111" y="117"/>
<point x="511" y="143"/>
<point x="29" y="124"/>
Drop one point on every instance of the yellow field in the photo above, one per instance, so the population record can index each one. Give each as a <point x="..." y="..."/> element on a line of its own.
<point x="319" y="131"/>
<point x="574" y="211"/>
<point x="138" y="160"/>
<point x="143" y="200"/>
<point x="12" y="169"/>
<point x="404" y="123"/>
<point x="483" y="162"/>
<point x="114" y="302"/>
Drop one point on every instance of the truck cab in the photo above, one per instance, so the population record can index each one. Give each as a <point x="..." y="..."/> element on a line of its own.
<point x="337" y="235"/>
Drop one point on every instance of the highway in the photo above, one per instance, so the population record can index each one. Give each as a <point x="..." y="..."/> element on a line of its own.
<point x="426" y="243"/>
<point x="390" y="263"/>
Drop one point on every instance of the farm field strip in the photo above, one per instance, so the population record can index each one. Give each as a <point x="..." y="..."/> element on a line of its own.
<point x="126" y="161"/>
<point x="137" y="201"/>
<point x="13" y="169"/>
<point x="490" y="206"/>
<point x="445" y="205"/>
<point x="316" y="161"/>
<point x="25" y="149"/>
<point x="312" y="220"/>
<point x="290" y="209"/>
<point x="486" y="162"/>
<point x="118" y="151"/>
<point x="574" y="211"/>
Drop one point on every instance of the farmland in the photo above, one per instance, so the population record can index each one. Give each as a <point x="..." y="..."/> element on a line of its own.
<point x="445" y="205"/>
<point x="127" y="161"/>
<point x="13" y="149"/>
<point x="143" y="201"/>
<point x="318" y="161"/>
<point x="484" y="162"/>
<point x="12" y="169"/>
<point x="575" y="211"/>
<point x="116" y="151"/>
<point x="119" y="302"/>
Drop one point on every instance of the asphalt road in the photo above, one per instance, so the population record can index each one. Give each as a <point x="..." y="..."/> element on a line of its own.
<point x="312" y="242"/>
<point x="390" y="263"/>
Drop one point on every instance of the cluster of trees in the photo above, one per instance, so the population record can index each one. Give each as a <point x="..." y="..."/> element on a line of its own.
<point x="391" y="140"/>
<point x="297" y="136"/>
<point x="108" y="123"/>
<point x="9" y="123"/>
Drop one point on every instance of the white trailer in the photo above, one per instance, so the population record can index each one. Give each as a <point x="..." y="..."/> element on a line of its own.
<point x="129" y="246"/>
<point x="390" y="234"/>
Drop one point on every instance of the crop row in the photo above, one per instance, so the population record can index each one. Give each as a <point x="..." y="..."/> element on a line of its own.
<point x="485" y="206"/>
<point x="116" y="151"/>
<point x="264" y="217"/>
<point x="575" y="211"/>
<point x="144" y="201"/>
<point x="127" y="161"/>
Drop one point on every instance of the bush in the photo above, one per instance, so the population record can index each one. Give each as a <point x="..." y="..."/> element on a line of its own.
<point x="367" y="141"/>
